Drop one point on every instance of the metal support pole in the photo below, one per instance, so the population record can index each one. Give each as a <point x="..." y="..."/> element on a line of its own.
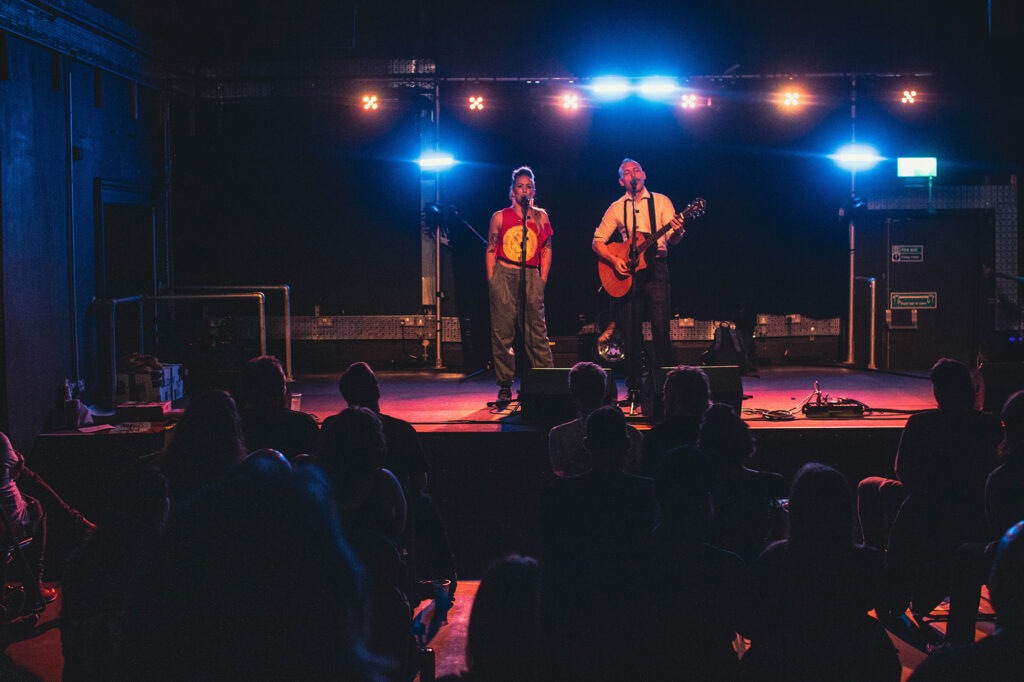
<point x="874" y="322"/>
<point x="285" y="289"/>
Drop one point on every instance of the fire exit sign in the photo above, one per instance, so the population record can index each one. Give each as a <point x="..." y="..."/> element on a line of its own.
<point x="908" y="253"/>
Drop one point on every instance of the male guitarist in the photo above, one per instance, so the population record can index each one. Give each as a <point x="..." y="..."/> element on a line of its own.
<point x="640" y="213"/>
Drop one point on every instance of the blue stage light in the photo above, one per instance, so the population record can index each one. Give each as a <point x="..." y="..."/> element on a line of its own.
<point x="435" y="161"/>
<point x="658" y="88"/>
<point x="610" y="87"/>
<point x="856" y="157"/>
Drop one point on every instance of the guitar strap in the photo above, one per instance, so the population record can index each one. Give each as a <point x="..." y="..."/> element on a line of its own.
<point x="650" y="211"/>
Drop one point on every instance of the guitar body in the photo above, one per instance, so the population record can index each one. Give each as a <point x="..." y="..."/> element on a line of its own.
<point x="618" y="285"/>
<point x="615" y="284"/>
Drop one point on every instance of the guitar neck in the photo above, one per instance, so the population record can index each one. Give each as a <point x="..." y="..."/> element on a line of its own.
<point x="648" y="243"/>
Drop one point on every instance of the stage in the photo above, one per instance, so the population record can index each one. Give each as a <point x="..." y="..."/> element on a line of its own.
<point x="488" y="466"/>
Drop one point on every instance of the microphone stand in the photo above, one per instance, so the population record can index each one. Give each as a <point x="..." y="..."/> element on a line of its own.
<point x="522" y="280"/>
<point x="635" y="333"/>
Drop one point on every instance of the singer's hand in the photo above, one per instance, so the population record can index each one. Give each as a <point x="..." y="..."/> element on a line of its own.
<point x="621" y="265"/>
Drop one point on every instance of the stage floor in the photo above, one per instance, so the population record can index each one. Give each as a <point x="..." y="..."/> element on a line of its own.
<point x="442" y="401"/>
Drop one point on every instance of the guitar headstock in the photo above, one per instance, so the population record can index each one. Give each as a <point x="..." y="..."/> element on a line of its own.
<point x="695" y="208"/>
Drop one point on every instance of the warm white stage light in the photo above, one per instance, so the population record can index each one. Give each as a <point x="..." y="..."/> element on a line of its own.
<point x="370" y="102"/>
<point x="476" y="103"/>
<point x="909" y="97"/>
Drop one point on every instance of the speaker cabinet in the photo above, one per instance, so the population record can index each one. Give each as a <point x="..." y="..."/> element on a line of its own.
<point x="544" y="394"/>
<point x="726" y="384"/>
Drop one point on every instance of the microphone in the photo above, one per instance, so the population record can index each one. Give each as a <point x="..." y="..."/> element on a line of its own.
<point x="524" y="201"/>
<point x="632" y="184"/>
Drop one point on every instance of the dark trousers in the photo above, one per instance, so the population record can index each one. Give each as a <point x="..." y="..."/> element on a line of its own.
<point x="878" y="502"/>
<point x="972" y="564"/>
<point x="652" y="288"/>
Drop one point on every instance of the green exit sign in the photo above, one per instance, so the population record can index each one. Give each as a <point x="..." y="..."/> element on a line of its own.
<point x="916" y="300"/>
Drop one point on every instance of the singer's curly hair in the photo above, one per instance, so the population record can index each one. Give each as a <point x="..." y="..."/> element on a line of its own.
<point x="518" y="173"/>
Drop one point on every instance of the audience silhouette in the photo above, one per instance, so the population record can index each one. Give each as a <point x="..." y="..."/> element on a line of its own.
<point x="746" y="507"/>
<point x="425" y="541"/>
<point x="203" y="446"/>
<point x="23" y="516"/>
<point x="253" y="579"/>
<point x="593" y="526"/>
<point x="999" y="656"/>
<point x="267" y="421"/>
<point x="372" y="509"/>
<point x="589" y="387"/>
<point x="695" y="593"/>
<point x="687" y="396"/>
<point x="1004" y="507"/>
<point x="502" y="639"/>
<point x="943" y="461"/>
<point x="813" y="591"/>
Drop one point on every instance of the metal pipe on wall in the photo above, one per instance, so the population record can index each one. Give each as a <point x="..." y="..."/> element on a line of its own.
<point x="285" y="289"/>
<point x="69" y="181"/>
<point x="107" y="400"/>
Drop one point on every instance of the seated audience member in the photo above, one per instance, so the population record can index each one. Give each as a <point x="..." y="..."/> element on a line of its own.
<point x="267" y="420"/>
<point x="503" y="635"/>
<point x="22" y="517"/>
<point x="1004" y="508"/>
<point x="588" y="385"/>
<point x="593" y="527"/>
<point x="203" y="446"/>
<point x="812" y="593"/>
<point x="999" y="656"/>
<point x="943" y="460"/>
<point x="687" y="396"/>
<point x="372" y="509"/>
<point x="744" y="499"/>
<point x="425" y="540"/>
<point x="695" y="593"/>
<point x="252" y="580"/>
<point x="947" y="451"/>
<point x="99" y="574"/>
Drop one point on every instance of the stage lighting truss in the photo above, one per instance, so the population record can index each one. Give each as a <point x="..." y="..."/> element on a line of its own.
<point x="370" y="102"/>
<point x="476" y="103"/>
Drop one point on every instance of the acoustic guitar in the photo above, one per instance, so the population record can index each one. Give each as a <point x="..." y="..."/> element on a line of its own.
<point x="618" y="285"/>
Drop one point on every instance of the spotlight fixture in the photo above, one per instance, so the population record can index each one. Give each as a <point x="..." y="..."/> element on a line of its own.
<point x="691" y="99"/>
<point x="909" y="97"/>
<point x="570" y="101"/>
<point x="610" y="87"/>
<point x="658" y="87"/>
<point x="476" y="103"/>
<point x="370" y="102"/>
<point x="856" y="157"/>
<point x="791" y="98"/>
<point x="435" y="161"/>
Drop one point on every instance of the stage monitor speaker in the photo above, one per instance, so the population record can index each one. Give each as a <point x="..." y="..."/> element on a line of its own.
<point x="726" y="384"/>
<point x="1000" y="380"/>
<point x="544" y="394"/>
